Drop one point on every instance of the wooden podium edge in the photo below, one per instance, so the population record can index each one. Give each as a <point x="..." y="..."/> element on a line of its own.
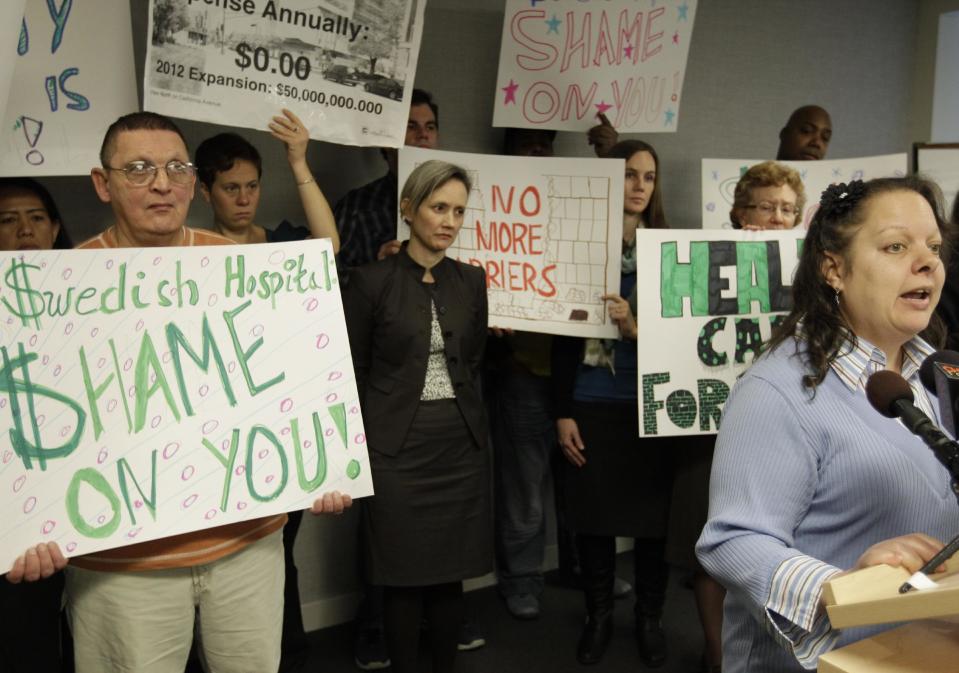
<point x="871" y="596"/>
<point x="928" y="646"/>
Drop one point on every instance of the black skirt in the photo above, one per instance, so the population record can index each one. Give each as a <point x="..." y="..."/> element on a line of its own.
<point x="429" y="521"/>
<point x="624" y="488"/>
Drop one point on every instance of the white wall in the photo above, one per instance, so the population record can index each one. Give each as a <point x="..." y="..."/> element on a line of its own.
<point x="924" y="80"/>
<point x="751" y="63"/>
<point x="945" y="99"/>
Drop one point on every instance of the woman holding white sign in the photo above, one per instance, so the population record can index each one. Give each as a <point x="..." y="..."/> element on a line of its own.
<point x="809" y="481"/>
<point x="30" y="639"/>
<point x="417" y="322"/>
<point x="616" y="484"/>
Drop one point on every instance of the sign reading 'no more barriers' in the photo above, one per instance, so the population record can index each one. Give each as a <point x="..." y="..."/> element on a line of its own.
<point x="150" y="392"/>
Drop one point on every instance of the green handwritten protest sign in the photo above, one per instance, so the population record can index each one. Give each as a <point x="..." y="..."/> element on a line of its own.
<point x="706" y="302"/>
<point x="150" y="392"/>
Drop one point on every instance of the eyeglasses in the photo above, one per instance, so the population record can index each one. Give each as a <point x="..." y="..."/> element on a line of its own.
<point x="769" y="209"/>
<point x="143" y="172"/>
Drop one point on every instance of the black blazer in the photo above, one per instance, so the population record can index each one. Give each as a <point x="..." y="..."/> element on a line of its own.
<point x="388" y="317"/>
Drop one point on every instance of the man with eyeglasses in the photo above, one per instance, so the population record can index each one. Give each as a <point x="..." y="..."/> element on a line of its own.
<point x="769" y="195"/>
<point x="147" y="178"/>
<point x="134" y="608"/>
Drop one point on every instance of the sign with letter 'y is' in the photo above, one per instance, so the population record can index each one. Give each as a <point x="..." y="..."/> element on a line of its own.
<point x="66" y="73"/>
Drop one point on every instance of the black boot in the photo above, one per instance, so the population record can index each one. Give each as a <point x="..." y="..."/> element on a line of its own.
<point x="597" y="557"/>
<point x="652" y="575"/>
<point x="594" y="639"/>
<point x="651" y="640"/>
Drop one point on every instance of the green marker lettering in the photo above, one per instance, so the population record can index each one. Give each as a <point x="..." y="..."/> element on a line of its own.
<point x="123" y="469"/>
<point x="177" y="341"/>
<point x="284" y="468"/>
<point x="309" y="485"/>
<point x="244" y="355"/>
<point x="22" y="446"/>
<point x="96" y="481"/>
<point x="227" y="462"/>
<point x="147" y="360"/>
<point x="94" y="394"/>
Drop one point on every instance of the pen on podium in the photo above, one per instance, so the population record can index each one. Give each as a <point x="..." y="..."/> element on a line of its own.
<point x="919" y="579"/>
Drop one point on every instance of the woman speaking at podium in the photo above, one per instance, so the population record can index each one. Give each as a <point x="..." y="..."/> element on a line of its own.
<point x="809" y="481"/>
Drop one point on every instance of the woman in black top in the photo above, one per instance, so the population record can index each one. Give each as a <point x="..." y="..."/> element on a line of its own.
<point x="417" y="322"/>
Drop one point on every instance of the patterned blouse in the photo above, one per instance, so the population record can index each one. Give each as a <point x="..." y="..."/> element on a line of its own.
<point x="438" y="385"/>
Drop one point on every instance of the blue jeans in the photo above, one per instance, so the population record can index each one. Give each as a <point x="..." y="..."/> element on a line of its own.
<point x="524" y="436"/>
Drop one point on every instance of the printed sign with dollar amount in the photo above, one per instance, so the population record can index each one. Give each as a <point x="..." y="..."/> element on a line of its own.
<point x="345" y="68"/>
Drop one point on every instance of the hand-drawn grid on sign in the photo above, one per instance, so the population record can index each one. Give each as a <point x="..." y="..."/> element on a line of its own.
<point x="547" y="231"/>
<point x="150" y="392"/>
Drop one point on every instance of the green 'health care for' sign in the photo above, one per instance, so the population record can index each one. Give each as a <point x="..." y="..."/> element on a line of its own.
<point x="706" y="303"/>
<point x="148" y="393"/>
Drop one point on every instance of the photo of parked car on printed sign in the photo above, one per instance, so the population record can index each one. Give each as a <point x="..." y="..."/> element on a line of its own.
<point x="385" y="87"/>
<point x="379" y="85"/>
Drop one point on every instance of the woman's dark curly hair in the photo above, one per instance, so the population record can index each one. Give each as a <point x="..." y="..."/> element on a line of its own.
<point x="815" y="315"/>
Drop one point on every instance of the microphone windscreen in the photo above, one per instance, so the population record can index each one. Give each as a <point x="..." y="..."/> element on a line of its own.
<point x="885" y="388"/>
<point x="927" y="372"/>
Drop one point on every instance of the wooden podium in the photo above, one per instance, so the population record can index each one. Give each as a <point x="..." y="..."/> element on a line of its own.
<point x="928" y="644"/>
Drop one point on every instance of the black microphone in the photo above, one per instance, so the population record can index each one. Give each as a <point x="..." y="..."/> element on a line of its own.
<point x="939" y="374"/>
<point x="891" y="396"/>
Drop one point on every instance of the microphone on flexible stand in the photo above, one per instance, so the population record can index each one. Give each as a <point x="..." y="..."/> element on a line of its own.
<point x="891" y="396"/>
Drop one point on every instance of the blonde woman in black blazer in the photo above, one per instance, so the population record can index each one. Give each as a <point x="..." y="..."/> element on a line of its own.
<point x="417" y="322"/>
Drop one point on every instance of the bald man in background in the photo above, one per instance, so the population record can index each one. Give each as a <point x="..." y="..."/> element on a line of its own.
<point x="806" y="135"/>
